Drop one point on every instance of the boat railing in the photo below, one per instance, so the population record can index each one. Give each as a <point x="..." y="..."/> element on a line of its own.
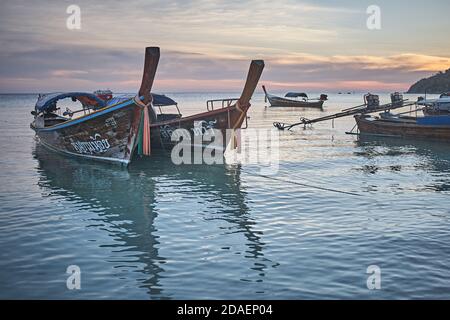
<point x="224" y="103"/>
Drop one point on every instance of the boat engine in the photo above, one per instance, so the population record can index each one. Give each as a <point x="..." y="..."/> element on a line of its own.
<point x="397" y="99"/>
<point x="372" y="101"/>
<point x="323" y="97"/>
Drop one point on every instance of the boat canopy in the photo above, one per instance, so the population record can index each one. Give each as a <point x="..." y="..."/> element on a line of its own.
<point x="444" y="99"/>
<point x="47" y="102"/>
<point x="296" y="95"/>
<point x="159" y="100"/>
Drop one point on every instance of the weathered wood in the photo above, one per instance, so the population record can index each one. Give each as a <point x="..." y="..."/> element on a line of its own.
<point x="108" y="135"/>
<point x="230" y="117"/>
<point x="150" y="66"/>
<point x="368" y="125"/>
<point x="254" y="73"/>
<point x="276" y="101"/>
<point x="282" y="102"/>
<point x="219" y="119"/>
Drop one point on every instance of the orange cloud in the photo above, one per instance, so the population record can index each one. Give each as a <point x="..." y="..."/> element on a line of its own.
<point x="67" y="73"/>
<point x="340" y="85"/>
<point x="408" y="61"/>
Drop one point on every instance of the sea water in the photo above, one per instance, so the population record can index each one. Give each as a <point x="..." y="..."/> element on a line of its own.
<point x="337" y="206"/>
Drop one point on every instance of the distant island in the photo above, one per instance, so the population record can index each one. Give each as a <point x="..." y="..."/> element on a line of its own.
<point x="438" y="83"/>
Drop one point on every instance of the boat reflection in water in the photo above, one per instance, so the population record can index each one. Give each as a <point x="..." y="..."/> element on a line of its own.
<point x="127" y="202"/>
<point x="407" y="155"/>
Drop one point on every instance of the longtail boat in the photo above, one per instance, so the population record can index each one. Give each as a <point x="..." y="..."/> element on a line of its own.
<point x="221" y="115"/>
<point x="428" y="127"/>
<point x="440" y="106"/>
<point x="115" y="130"/>
<point x="292" y="99"/>
<point x="371" y="105"/>
<point x="107" y="132"/>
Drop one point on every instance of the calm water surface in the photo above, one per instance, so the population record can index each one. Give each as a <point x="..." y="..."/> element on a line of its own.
<point x="160" y="231"/>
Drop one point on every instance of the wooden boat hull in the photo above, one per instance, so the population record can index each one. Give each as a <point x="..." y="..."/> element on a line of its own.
<point x="282" y="102"/>
<point x="201" y="129"/>
<point x="109" y="134"/>
<point x="198" y="125"/>
<point x="369" y="125"/>
<point x="434" y="112"/>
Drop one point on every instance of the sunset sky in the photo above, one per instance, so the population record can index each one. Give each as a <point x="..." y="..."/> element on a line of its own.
<point x="206" y="45"/>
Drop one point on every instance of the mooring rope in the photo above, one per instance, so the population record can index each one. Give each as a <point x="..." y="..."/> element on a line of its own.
<point x="146" y="138"/>
<point x="306" y="185"/>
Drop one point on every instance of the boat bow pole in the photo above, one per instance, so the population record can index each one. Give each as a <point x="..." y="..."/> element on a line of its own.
<point x="254" y="73"/>
<point x="150" y="65"/>
<point x="243" y="103"/>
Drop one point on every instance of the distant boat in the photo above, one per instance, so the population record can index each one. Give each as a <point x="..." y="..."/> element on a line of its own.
<point x="371" y="105"/>
<point x="387" y="124"/>
<point x="440" y="106"/>
<point x="104" y="94"/>
<point x="305" y="102"/>
<point x="431" y="127"/>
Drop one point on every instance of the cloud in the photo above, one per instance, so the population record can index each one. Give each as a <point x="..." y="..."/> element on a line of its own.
<point x="360" y="72"/>
<point x="89" y="68"/>
<point x="207" y="45"/>
<point x="67" y="73"/>
<point x="409" y="61"/>
<point x="218" y="28"/>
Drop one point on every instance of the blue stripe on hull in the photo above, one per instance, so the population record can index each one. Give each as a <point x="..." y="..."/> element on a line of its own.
<point x="86" y="118"/>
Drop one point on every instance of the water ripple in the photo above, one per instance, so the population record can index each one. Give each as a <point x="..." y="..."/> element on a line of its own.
<point x="160" y="231"/>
